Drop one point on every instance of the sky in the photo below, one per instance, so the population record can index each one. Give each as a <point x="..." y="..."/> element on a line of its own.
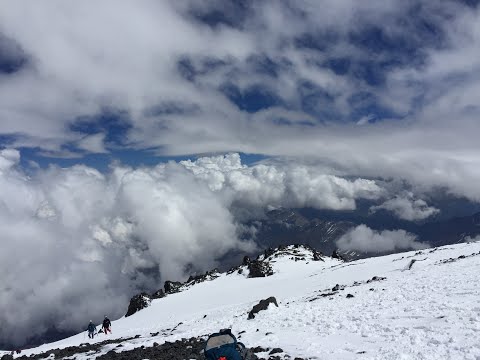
<point x="136" y="138"/>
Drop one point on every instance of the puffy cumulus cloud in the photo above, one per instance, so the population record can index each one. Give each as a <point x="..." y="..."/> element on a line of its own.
<point x="77" y="243"/>
<point x="283" y="184"/>
<point x="406" y="207"/>
<point x="362" y="238"/>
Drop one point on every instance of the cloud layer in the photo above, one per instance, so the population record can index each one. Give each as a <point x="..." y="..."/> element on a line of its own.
<point x="77" y="243"/>
<point x="222" y="76"/>
<point x="364" y="239"/>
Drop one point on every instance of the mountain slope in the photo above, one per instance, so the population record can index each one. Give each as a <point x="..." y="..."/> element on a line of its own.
<point x="422" y="305"/>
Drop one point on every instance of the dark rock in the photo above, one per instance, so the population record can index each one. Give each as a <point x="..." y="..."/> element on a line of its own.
<point x="275" y="351"/>
<point x="262" y="305"/>
<point x="158" y="294"/>
<point x="246" y="260"/>
<point x="336" y="255"/>
<point x="155" y="334"/>
<point x="349" y="296"/>
<point x="258" y="349"/>
<point x="259" y="268"/>
<point x="137" y="303"/>
<point x="338" y="287"/>
<point x="7" y="357"/>
<point x="171" y="287"/>
<point x="317" y="256"/>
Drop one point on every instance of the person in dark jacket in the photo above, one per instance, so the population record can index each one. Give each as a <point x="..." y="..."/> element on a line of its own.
<point x="106" y="325"/>
<point x="91" y="329"/>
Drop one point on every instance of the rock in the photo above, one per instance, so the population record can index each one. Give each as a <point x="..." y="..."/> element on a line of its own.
<point x="338" y="287"/>
<point x="158" y="294"/>
<point x="171" y="287"/>
<point x="336" y="255"/>
<point x="258" y="349"/>
<point x="350" y="296"/>
<point x="7" y="357"/>
<point x="259" y="268"/>
<point x="246" y="260"/>
<point x="317" y="256"/>
<point x="262" y="305"/>
<point x="275" y="351"/>
<point x="137" y="303"/>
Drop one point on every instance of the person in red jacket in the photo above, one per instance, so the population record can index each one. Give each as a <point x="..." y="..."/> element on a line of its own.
<point x="106" y="325"/>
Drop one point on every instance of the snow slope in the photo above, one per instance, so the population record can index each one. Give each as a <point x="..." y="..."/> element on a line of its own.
<point x="431" y="311"/>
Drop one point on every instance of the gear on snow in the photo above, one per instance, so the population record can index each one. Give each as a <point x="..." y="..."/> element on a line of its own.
<point x="224" y="346"/>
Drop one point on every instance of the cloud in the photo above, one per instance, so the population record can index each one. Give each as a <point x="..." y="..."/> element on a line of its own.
<point x="364" y="239"/>
<point x="419" y="84"/>
<point x="76" y="243"/>
<point x="406" y="207"/>
<point x="288" y="185"/>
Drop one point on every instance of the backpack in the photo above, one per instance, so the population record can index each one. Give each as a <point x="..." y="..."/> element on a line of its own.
<point x="224" y="346"/>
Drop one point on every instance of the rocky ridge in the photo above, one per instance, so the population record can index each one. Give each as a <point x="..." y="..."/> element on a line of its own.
<point x="259" y="267"/>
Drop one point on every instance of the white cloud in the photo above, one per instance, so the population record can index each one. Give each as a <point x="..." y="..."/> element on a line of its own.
<point x="93" y="143"/>
<point x="364" y="239"/>
<point x="287" y="184"/>
<point x="132" y="66"/>
<point x="74" y="233"/>
<point x="406" y="207"/>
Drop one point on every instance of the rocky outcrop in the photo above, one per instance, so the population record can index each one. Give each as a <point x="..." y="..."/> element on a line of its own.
<point x="137" y="303"/>
<point x="141" y="301"/>
<point x="262" y="305"/>
<point x="259" y="268"/>
<point x="172" y="287"/>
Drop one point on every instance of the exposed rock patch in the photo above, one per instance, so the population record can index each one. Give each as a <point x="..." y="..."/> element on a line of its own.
<point x="137" y="303"/>
<point x="262" y="305"/>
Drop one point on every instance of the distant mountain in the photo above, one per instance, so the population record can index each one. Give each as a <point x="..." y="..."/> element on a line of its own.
<point x="321" y="229"/>
<point x="450" y="231"/>
<point x="290" y="226"/>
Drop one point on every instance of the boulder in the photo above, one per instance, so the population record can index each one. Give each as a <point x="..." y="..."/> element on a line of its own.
<point x="171" y="286"/>
<point x="262" y="305"/>
<point x="259" y="268"/>
<point x="137" y="303"/>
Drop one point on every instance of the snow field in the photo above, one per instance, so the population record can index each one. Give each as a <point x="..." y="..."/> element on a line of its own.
<point x="431" y="311"/>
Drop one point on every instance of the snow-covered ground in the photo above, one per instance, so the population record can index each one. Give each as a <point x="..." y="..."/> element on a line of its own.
<point x="431" y="311"/>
